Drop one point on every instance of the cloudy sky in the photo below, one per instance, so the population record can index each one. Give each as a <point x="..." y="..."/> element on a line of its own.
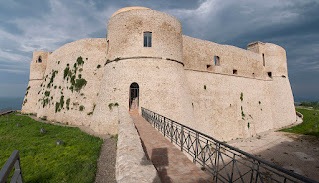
<point x="33" y="25"/>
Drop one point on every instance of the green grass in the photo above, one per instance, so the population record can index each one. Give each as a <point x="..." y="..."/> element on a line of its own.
<point x="307" y="127"/>
<point x="44" y="161"/>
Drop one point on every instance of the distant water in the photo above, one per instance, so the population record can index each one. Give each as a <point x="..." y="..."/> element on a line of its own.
<point x="15" y="103"/>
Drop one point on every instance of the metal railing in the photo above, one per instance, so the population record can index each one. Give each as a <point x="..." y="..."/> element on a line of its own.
<point x="224" y="162"/>
<point x="14" y="160"/>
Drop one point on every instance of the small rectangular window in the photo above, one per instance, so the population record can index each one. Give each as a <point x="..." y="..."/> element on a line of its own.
<point x="270" y="74"/>
<point x="209" y="67"/>
<point x="234" y="71"/>
<point x="147" y="39"/>
<point x="264" y="60"/>
<point x="216" y="59"/>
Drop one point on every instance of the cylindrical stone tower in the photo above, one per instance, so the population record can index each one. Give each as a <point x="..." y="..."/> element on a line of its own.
<point x="37" y="69"/>
<point x="144" y="65"/>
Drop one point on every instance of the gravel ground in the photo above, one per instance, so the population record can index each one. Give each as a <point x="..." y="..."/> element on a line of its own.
<point x="295" y="152"/>
<point x="106" y="163"/>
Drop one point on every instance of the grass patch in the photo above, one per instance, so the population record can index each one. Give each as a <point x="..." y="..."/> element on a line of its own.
<point x="44" y="161"/>
<point x="309" y="126"/>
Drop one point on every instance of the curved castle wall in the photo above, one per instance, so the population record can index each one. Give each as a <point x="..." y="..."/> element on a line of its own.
<point x="56" y="86"/>
<point x="158" y="69"/>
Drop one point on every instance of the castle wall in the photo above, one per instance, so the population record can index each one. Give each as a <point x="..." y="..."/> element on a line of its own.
<point x="83" y="82"/>
<point x="37" y="70"/>
<point x="125" y="35"/>
<point x="92" y="52"/>
<point x="158" y="70"/>
<point x="197" y="54"/>
<point x="267" y="99"/>
<point x="162" y="88"/>
<point x="219" y="110"/>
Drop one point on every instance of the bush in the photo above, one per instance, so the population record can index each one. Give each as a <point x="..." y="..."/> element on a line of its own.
<point x="110" y="106"/>
<point x="47" y="93"/>
<point x="98" y="66"/>
<point x="79" y="84"/>
<point x="62" y="101"/>
<point x="68" y="103"/>
<point x="66" y="72"/>
<point x="79" y="61"/>
<point x="81" y="108"/>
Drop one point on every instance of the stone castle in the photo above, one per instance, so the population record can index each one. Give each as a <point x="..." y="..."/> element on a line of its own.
<point x="145" y="61"/>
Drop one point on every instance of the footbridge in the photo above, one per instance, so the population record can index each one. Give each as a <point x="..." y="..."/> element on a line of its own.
<point x="182" y="154"/>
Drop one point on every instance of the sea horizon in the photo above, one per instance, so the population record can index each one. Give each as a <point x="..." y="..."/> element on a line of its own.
<point x="14" y="103"/>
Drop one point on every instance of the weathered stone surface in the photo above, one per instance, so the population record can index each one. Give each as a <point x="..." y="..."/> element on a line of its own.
<point x="131" y="162"/>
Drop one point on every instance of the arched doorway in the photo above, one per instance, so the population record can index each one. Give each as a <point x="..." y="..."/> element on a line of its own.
<point x="134" y="96"/>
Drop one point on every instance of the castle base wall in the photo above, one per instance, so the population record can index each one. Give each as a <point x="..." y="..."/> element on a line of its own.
<point x="230" y="107"/>
<point x="162" y="88"/>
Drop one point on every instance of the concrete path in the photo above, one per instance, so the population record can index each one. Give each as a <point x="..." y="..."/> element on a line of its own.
<point x="172" y="165"/>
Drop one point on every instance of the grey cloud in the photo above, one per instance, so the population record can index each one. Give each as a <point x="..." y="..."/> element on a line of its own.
<point x="47" y="25"/>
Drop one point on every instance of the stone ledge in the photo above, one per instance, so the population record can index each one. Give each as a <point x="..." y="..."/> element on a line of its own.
<point x="132" y="164"/>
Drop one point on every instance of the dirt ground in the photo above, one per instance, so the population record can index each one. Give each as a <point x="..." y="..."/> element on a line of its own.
<point x="298" y="153"/>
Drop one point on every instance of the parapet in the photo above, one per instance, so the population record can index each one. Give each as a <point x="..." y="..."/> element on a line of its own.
<point x="273" y="57"/>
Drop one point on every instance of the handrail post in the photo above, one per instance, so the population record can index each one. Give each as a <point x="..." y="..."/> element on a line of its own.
<point x="164" y="126"/>
<point x="171" y="131"/>
<point x="196" y="147"/>
<point x="182" y="138"/>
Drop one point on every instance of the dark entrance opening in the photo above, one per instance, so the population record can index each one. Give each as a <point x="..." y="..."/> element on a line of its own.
<point x="134" y="96"/>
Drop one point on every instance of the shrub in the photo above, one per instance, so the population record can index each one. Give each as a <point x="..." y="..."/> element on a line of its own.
<point x="66" y="72"/>
<point x="80" y="76"/>
<point x="80" y="69"/>
<point x="57" y="105"/>
<point x="28" y="88"/>
<point x="117" y="59"/>
<point x="116" y="104"/>
<point x="68" y="103"/>
<point x="90" y="113"/>
<point x="62" y="101"/>
<point x="205" y="87"/>
<point x="79" y="84"/>
<point x="110" y="106"/>
<point x="47" y="93"/>
<point x="241" y="96"/>
<point x="98" y="66"/>
<point x="79" y="61"/>
<point x="81" y="108"/>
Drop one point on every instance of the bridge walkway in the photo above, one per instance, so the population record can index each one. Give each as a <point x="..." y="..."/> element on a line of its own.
<point x="172" y="165"/>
